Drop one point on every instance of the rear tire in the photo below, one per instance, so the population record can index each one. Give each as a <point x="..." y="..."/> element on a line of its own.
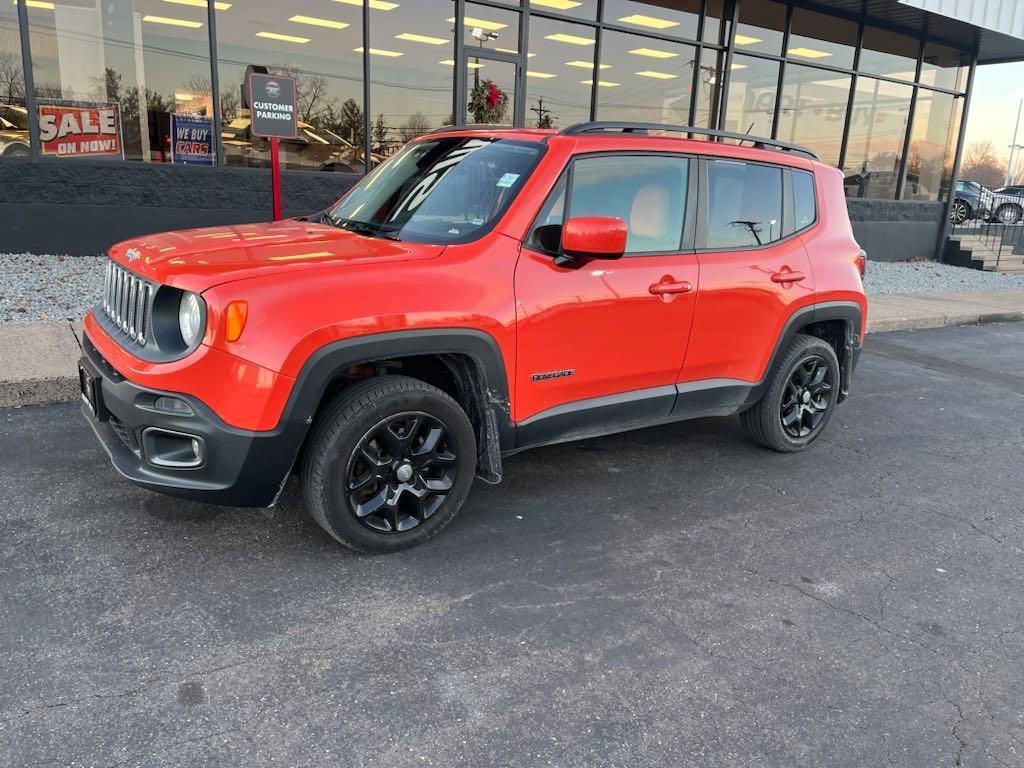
<point x="389" y="463"/>
<point x="798" y="404"/>
<point x="1008" y="213"/>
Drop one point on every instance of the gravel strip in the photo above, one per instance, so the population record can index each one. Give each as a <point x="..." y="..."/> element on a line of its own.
<point x="48" y="289"/>
<point x="932" y="277"/>
<point x="39" y="289"/>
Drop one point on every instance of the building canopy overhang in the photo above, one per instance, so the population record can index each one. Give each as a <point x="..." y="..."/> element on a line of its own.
<point x="993" y="28"/>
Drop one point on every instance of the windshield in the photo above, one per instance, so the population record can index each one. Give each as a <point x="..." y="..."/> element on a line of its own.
<point x="445" y="190"/>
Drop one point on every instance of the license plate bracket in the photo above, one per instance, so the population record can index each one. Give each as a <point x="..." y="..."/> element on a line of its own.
<point x="91" y="387"/>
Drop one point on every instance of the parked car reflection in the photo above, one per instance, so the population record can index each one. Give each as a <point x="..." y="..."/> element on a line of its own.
<point x="13" y="131"/>
<point x="314" y="149"/>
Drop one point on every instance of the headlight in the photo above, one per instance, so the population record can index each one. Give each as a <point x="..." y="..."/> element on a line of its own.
<point x="190" y="319"/>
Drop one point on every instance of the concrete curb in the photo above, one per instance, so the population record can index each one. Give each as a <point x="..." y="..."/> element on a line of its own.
<point x="40" y="360"/>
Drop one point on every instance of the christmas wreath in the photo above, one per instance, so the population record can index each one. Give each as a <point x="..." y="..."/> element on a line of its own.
<point x="487" y="103"/>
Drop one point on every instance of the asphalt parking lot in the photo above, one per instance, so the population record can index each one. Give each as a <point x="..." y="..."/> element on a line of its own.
<point x="674" y="597"/>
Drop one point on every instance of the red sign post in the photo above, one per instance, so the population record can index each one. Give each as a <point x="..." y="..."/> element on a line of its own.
<point x="272" y="115"/>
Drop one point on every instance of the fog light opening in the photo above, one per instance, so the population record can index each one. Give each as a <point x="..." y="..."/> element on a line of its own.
<point x="173" y="450"/>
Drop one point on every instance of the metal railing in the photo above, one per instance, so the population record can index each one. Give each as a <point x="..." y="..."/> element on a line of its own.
<point x="986" y="229"/>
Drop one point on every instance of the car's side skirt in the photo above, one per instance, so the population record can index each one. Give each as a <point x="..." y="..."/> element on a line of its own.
<point x="637" y="409"/>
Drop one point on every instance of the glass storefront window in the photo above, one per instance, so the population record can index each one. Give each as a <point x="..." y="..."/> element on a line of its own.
<point x="109" y="77"/>
<point x="760" y="27"/>
<point x="13" y="112"/>
<point x="944" y="67"/>
<point x="580" y="9"/>
<point x="714" y="27"/>
<point x="558" y="74"/>
<point x="878" y="127"/>
<point x="413" y="92"/>
<point x="753" y="84"/>
<point x="676" y="19"/>
<point x="813" y="110"/>
<point x="932" y="145"/>
<point x="708" y="94"/>
<point x="889" y="54"/>
<point x="817" y="37"/>
<point x="322" y="49"/>
<point x="645" y="80"/>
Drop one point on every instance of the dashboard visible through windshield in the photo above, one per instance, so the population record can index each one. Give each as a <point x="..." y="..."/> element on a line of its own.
<point x="445" y="190"/>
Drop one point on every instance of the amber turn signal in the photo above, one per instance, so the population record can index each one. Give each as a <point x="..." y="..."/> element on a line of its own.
<point x="236" y="315"/>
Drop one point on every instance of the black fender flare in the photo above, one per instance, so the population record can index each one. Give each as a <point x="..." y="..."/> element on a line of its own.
<point x="847" y="311"/>
<point x="481" y="348"/>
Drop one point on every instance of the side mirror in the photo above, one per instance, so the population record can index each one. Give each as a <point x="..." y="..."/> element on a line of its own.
<point x="593" y="237"/>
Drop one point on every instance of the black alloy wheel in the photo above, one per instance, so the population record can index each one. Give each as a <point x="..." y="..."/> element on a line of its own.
<point x="807" y="398"/>
<point x="800" y="397"/>
<point x="401" y="472"/>
<point x="388" y="464"/>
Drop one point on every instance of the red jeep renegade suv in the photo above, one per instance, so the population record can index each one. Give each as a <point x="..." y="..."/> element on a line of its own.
<point x="483" y="291"/>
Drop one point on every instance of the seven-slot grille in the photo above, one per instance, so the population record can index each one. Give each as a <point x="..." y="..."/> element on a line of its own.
<point x="126" y="300"/>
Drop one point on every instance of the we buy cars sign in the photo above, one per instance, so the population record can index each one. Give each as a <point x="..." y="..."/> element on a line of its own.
<point x="80" y="129"/>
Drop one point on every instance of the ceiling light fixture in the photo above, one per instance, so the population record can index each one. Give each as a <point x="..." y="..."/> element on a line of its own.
<point x="469" y="21"/>
<point x="282" y="38"/>
<point x="602" y="83"/>
<point x="746" y="40"/>
<point x="414" y="38"/>
<point x="313" y="21"/>
<point x="558" y="5"/>
<point x="808" y="53"/>
<point x="173" y="22"/>
<point x="656" y="75"/>
<point x="380" y="52"/>
<point x="653" y="53"/>
<point x="469" y="65"/>
<point x="540" y="75"/>
<point x="639" y="20"/>
<point x="377" y="5"/>
<point x="586" y="65"/>
<point x="200" y="4"/>
<point x="561" y="37"/>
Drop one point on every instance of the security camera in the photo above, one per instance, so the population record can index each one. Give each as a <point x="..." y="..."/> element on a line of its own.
<point x="483" y="35"/>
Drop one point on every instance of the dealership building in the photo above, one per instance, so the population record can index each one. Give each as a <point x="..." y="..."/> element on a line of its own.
<point x="120" y="117"/>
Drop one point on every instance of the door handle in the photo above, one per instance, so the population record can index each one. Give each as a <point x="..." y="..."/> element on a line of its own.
<point x="671" y="286"/>
<point x="788" y="276"/>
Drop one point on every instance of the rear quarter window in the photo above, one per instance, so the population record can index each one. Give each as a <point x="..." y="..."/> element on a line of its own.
<point x="805" y="207"/>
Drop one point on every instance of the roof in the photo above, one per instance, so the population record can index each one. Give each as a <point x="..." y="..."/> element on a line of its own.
<point x="995" y="28"/>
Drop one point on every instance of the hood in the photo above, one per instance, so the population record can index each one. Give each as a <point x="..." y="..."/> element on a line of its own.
<point x="198" y="259"/>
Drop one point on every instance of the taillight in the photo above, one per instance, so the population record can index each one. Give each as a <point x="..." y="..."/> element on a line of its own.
<point x="862" y="263"/>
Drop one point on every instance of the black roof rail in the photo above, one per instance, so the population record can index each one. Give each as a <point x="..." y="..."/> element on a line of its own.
<point x="478" y="127"/>
<point x="609" y="126"/>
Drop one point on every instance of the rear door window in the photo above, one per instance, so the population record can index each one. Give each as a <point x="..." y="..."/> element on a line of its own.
<point x="744" y="204"/>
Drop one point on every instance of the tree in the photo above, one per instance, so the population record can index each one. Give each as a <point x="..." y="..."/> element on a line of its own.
<point x="981" y="165"/>
<point x="416" y="125"/>
<point x="12" y="80"/>
<point x="379" y="135"/>
<point x="349" y="123"/>
<point x="313" y="103"/>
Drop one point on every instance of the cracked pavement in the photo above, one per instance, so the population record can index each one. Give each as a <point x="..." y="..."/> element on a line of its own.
<point x="669" y="597"/>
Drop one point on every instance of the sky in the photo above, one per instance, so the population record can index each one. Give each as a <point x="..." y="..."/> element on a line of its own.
<point x="998" y="90"/>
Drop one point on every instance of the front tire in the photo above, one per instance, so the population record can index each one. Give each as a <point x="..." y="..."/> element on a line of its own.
<point x="389" y="464"/>
<point x="798" y="404"/>
<point x="961" y="211"/>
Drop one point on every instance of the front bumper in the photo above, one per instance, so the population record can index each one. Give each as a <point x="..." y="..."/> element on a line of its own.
<point x="237" y="467"/>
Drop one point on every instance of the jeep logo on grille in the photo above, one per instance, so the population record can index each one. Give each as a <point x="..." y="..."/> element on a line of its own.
<point x="132" y="254"/>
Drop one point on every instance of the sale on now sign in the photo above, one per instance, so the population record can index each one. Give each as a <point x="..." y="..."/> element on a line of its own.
<point x="77" y="130"/>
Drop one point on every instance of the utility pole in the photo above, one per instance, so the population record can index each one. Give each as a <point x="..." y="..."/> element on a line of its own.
<point x="1008" y="180"/>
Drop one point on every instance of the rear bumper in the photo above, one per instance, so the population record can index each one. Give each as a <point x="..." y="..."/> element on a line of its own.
<point x="236" y="467"/>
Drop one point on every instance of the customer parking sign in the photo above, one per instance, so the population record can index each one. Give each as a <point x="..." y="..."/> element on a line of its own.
<point x="191" y="140"/>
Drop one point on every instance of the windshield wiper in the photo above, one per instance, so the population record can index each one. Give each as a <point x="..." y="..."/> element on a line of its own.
<point x="362" y="227"/>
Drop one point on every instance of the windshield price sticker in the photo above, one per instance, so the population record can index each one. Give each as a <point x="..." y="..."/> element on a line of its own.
<point x="508" y="179"/>
<point x="272" y="106"/>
